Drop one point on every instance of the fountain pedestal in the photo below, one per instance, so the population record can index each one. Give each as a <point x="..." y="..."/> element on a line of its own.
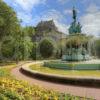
<point x="77" y="48"/>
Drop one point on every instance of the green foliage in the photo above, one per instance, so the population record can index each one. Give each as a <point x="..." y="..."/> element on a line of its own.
<point x="23" y="46"/>
<point x="8" y="20"/>
<point x="7" y="49"/>
<point x="46" y="48"/>
<point x="3" y="97"/>
<point x="9" y="26"/>
<point x="9" y="94"/>
<point x="34" y="52"/>
<point x="29" y="30"/>
<point x="5" y="69"/>
<point x="4" y="72"/>
<point x="11" y="89"/>
<point x="97" y="48"/>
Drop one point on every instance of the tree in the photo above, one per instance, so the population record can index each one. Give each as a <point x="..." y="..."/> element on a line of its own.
<point x="23" y="46"/>
<point x="7" y="49"/>
<point x="9" y="24"/>
<point x="97" y="47"/>
<point x="46" y="48"/>
<point x="29" y="30"/>
<point x="34" y="53"/>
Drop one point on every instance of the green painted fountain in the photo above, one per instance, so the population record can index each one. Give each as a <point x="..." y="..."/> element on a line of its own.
<point x="77" y="45"/>
<point x="77" y="55"/>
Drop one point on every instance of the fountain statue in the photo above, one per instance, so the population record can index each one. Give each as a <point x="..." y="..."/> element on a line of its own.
<point x="77" y="48"/>
<point x="75" y="27"/>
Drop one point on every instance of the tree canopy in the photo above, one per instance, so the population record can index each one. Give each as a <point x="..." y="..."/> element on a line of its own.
<point x="9" y="23"/>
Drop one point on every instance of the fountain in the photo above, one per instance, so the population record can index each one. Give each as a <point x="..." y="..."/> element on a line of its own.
<point x="78" y="50"/>
<point x="77" y="46"/>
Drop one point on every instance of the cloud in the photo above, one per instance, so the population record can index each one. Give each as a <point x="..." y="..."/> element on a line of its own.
<point x="91" y="20"/>
<point x="45" y="16"/>
<point x="62" y="27"/>
<point x="63" y="1"/>
<point x="68" y="1"/>
<point x="27" y="18"/>
<point x="87" y="2"/>
<point x="69" y="11"/>
<point x="52" y="14"/>
<point x="28" y="4"/>
<point x="25" y="9"/>
<point x="93" y="8"/>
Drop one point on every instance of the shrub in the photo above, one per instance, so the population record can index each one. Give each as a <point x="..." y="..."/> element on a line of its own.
<point x="97" y="48"/>
<point x="46" y="48"/>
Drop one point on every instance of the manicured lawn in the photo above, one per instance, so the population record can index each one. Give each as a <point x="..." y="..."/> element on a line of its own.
<point x="82" y="73"/>
<point x="5" y="69"/>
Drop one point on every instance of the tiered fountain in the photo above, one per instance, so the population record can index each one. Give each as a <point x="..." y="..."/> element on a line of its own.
<point x="77" y="53"/>
<point x="77" y="47"/>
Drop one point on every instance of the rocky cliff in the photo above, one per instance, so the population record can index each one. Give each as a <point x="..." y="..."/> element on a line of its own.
<point x="47" y="29"/>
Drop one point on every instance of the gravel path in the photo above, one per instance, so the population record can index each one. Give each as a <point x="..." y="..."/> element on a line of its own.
<point x="74" y="90"/>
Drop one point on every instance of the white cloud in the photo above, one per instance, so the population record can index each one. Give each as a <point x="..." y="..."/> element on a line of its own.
<point x="91" y="20"/>
<point x="24" y="17"/>
<point x="69" y="11"/>
<point x="52" y="14"/>
<point x="62" y="27"/>
<point x="93" y="8"/>
<point x="67" y="1"/>
<point x="28" y="19"/>
<point x="63" y="1"/>
<point x="28" y="4"/>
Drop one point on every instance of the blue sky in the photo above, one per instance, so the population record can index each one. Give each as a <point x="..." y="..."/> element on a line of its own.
<point x="33" y="11"/>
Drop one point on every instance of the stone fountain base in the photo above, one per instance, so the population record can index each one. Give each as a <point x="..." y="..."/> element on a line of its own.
<point x="93" y="64"/>
<point x="76" y="57"/>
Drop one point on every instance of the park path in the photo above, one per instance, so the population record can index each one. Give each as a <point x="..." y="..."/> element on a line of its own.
<point x="69" y="89"/>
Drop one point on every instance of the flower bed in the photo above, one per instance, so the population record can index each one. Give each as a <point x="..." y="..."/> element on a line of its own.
<point x="11" y="89"/>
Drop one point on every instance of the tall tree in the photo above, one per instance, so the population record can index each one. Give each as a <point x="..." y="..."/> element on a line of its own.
<point x="23" y="46"/>
<point x="9" y="24"/>
<point x="29" y="30"/>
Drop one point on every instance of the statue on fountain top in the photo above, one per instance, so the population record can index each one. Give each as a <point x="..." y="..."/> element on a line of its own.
<point x="75" y="27"/>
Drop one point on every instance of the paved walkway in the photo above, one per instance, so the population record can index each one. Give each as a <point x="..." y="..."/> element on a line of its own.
<point x="70" y="89"/>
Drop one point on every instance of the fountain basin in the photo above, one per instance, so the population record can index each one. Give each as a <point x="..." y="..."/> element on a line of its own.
<point x="84" y="65"/>
<point x="76" y="57"/>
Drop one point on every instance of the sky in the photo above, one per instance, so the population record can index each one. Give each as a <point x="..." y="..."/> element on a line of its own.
<point x="31" y="12"/>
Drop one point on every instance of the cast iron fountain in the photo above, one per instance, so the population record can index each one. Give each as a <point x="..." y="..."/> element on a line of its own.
<point x="77" y="46"/>
<point x="77" y="55"/>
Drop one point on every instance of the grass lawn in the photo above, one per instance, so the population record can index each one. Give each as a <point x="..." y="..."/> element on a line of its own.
<point x="5" y="69"/>
<point x="82" y="73"/>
